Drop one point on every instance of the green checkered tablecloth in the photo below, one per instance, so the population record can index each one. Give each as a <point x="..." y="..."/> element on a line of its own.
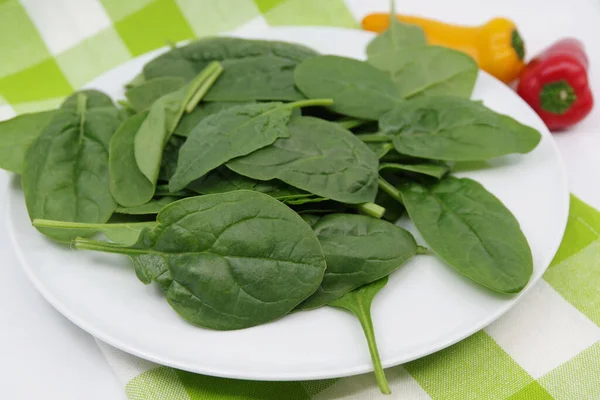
<point x="547" y="347"/>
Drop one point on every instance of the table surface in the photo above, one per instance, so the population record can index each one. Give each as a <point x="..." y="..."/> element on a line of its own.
<point x="43" y="355"/>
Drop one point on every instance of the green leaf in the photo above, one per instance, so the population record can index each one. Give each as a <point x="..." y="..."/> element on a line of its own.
<point x="141" y="97"/>
<point x="17" y="134"/>
<point x="358" y="250"/>
<point x="471" y="230"/>
<point x="319" y="157"/>
<point x="398" y="36"/>
<point x="215" y="140"/>
<point x="428" y="71"/>
<point x="358" y="302"/>
<point x="65" y="174"/>
<point x="170" y="156"/>
<point x="152" y="207"/>
<point x="454" y="129"/>
<point x="436" y="170"/>
<point x="121" y="233"/>
<point x="227" y="261"/>
<point x="193" y="118"/>
<point x="358" y="89"/>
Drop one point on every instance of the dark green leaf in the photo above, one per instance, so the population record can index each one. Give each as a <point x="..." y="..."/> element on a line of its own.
<point x="471" y="230"/>
<point x="65" y="175"/>
<point x="428" y="71"/>
<point x="454" y="129"/>
<point x="142" y="97"/>
<point x="319" y="157"/>
<point x="17" y="134"/>
<point x="190" y="120"/>
<point x="227" y="261"/>
<point x="152" y="207"/>
<point x="358" y="302"/>
<point x="357" y="88"/>
<point x="436" y="170"/>
<point x="169" y="158"/>
<point x="358" y="250"/>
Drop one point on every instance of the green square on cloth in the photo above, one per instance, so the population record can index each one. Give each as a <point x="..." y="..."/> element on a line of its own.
<point x="547" y="347"/>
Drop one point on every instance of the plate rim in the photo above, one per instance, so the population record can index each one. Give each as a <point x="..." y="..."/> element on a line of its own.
<point x="342" y="371"/>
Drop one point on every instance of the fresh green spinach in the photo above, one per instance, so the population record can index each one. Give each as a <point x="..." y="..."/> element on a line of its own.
<point x="193" y="118"/>
<point x="17" y="134"/>
<point x="471" y="230"/>
<point x="121" y="233"/>
<point x="152" y="207"/>
<point x="455" y="129"/>
<point x="357" y="88"/>
<point x="141" y="97"/>
<point x="319" y="157"/>
<point x="358" y="250"/>
<point x="65" y="174"/>
<point x="227" y="261"/>
<point x="436" y="170"/>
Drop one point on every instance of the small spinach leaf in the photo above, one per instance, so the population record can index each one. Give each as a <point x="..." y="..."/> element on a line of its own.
<point x="429" y="71"/>
<point x="471" y="230"/>
<point x="227" y="261"/>
<point x="17" y="134"/>
<point x="454" y="129"/>
<point x="319" y="157"/>
<point x="358" y="302"/>
<point x="65" y="174"/>
<point x="358" y="250"/>
<point x="357" y="88"/>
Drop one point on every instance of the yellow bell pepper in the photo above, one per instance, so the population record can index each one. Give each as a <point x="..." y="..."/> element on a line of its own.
<point x="496" y="46"/>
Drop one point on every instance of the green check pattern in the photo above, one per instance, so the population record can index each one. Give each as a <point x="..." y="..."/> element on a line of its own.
<point x="547" y="347"/>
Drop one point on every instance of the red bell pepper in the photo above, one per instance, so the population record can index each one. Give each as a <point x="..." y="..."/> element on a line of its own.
<point x="555" y="84"/>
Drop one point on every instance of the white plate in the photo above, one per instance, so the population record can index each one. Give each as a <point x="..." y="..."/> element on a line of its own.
<point x="426" y="306"/>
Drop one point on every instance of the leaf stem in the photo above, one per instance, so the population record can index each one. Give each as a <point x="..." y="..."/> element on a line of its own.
<point x="310" y="103"/>
<point x="371" y="209"/>
<point x="202" y="83"/>
<point x="46" y="223"/>
<point x="351" y="123"/>
<point x="391" y="190"/>
<point x="105" y="247"/>
<point x="374" y="138"/>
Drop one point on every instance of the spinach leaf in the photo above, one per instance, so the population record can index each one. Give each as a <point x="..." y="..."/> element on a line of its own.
<point x="227" y="261"/>
<point x="142" y="97"/>
<point x="454" y="129"/>
<point x="137" y="149"/>
<point x="381" y="149"/>
<point x="163" y="190"/>
<point x="436" y="170"/>
<point x="128" y="185"/>
<point x="121" y="233"/>
<point x="358" y="250"/>
<point x="429" y="71"/>
<point x="357" y="88"/>
<point x="256" y="78"/>
<point x="358" y="302"/>
<point x="319" y="157"/>
<point x="170" y="156"/>
<point x="187" y="61"/>
<point x="65" y="174"/>
<point x="17" y="134"/>
<point x="231" y="133"/>
<point x="193" y="118"/>
<point x="398" y="36"/>
<point x="152" y="207"/>
<point x="470" y="229"/>
<point x="394" y="210"/>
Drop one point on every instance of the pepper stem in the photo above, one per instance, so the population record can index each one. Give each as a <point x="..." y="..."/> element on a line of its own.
<point x="557" y="97"/>
<point x="518" y="45"/>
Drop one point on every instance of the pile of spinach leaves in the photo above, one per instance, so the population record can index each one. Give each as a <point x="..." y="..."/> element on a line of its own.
<point x="248" y="178"/>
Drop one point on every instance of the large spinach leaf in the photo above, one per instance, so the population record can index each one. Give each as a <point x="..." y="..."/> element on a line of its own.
<point x="428" y="71"/>
<point x="358" y="250"/>
<point x="455" y="129"/>
<point x="357" y="88"/>
<point x="142" y="97"/>
<point x="319" y="157"/>
<point x="470" y="229"/>
<point x="187" y="61"/>
<point x="65" y="174"/>
<point x="17" y="134"/>
<point x="227" y="261"/>
<point x="193" y="118"/>
<point x="231" y="133"/>
<point x="358" y="302"/>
